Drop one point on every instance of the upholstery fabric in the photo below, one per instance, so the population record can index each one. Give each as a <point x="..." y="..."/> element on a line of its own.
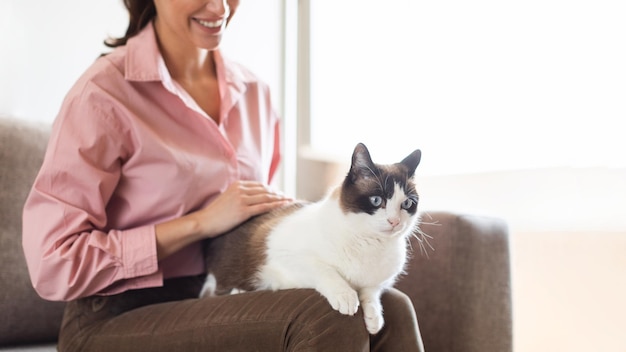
<point x="462" y="290"/>
<point x="25" y="316"/>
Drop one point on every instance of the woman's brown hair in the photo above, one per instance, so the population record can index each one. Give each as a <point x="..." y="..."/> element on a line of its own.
<point x="140" y="12"/>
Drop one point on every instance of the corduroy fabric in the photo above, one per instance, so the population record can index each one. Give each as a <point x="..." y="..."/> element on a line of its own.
<point x="170" y="318"/>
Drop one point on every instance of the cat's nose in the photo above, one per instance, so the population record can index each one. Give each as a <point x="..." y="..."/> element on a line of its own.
<point x="393" y="221"/>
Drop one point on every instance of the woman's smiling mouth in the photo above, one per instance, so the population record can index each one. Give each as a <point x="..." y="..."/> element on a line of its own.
<point x="210" y="24"/>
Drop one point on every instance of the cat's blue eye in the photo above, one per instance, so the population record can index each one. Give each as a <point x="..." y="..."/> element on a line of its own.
<point x="407" y="204"/>
<point x="376" y="201"/>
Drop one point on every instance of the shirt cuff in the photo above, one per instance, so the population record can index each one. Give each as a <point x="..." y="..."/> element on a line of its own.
<point x="139" y="255"/>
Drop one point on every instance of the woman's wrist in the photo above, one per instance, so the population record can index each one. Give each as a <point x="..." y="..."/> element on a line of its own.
<point x="173" y="235"/>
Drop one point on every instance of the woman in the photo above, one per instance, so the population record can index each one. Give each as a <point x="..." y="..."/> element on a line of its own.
<point x="160" y="144"/>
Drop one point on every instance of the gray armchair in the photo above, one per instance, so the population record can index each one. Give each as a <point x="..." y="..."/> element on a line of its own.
<point x="461" y="290"/>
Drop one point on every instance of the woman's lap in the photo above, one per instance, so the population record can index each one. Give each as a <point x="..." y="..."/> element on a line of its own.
<point x="286" y="320"/>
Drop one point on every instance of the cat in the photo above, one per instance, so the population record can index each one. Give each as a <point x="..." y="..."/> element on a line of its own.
<point x="349" y="246"/>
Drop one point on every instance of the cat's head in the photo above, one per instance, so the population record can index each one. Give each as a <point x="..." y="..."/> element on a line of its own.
<point x="382" y="199"/>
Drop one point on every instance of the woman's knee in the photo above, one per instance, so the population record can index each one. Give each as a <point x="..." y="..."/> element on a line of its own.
<point x="400" y="331"/>
<point x="398" y="302"/>
<point x="318" y="327"/>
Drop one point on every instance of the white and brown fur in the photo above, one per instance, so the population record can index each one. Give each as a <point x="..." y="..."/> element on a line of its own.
<point x="350" y="246"/>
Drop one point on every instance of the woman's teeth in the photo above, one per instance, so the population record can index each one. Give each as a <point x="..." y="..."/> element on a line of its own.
<point x="211" y="24"/>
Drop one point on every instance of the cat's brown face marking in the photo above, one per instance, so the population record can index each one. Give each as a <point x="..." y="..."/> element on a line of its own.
<point x="366" y="180"/>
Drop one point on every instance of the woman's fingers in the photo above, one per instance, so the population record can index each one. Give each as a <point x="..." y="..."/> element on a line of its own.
<point x="240" y="201"/>
<point x="264" y="207"/>
<point x="253" y="193"/>
<point x="263" y="198"/>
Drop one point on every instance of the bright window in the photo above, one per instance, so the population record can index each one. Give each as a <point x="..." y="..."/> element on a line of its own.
<point x="478" y="85"/>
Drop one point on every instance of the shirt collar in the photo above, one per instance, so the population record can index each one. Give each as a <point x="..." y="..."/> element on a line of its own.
<point x="144" y="62"/>
<point x="143" y="55"/>
<point x="230" y="77"/>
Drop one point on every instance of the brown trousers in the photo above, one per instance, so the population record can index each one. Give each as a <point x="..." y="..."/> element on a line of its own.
<point x="171" y="318"/>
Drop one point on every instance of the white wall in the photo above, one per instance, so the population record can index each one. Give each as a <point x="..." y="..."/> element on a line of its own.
<point x="45" y="45"/>
<point x="568" y="291"/>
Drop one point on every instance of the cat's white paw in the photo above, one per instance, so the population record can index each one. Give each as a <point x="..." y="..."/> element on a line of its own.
<point x="346" y="302"/>
<point x="373" y="315"/>
<point x="209" y="287"/>
<point x="236" y="291"/>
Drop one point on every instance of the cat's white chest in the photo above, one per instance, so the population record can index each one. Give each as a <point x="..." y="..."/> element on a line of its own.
<point x="373" y="264"/>
<point x="317" y="239"/>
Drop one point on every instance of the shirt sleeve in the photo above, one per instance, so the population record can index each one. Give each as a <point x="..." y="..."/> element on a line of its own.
<point x="69" y="249"/>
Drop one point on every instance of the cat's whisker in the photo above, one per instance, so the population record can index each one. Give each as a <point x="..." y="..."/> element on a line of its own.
<point x="423" y="250"/>
<point x="380" y="183"/>
<point x="428" y="243"/>
<point x="377" y="178"/>
<point x="421" y="219"/>
<point x="422" y="236"/>
<point x="430" y="223"/>
<point x="426" y="236"/>
<point x="419" y="242"/>
<point x="422" y="239"/>
<point x="386" y="180"/>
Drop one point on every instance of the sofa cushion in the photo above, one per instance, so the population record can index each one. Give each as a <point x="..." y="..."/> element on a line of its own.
<point x="26" y="318"/>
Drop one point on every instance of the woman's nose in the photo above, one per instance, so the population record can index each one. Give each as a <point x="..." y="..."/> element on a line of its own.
<point x="218" y="7"/>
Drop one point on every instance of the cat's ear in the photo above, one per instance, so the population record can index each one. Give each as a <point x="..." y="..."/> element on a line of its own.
<point x="412" y="161"/>
<point x="362" y="165"/>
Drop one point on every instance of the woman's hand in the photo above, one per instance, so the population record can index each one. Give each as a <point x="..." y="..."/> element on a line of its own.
<point x="240" y="201"/>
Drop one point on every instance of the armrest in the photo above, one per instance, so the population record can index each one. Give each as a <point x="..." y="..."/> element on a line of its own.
<point x="462" y="290"/>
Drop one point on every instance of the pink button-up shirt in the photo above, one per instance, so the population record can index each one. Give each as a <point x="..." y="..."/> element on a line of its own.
<point x="129" y="149"/>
